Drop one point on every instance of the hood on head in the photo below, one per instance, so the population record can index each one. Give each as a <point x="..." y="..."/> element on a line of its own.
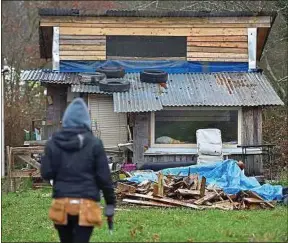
<point x="77" y="115"/>
<point x="71" y="138"/>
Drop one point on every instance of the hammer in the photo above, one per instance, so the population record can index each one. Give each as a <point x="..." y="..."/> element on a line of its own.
<point x="110" y="224"/>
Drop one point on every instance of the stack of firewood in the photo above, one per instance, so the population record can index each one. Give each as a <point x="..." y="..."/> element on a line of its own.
<point x="190" y="191"/>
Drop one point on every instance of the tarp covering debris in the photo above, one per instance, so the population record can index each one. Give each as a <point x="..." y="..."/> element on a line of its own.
<point x="226" y="175"/>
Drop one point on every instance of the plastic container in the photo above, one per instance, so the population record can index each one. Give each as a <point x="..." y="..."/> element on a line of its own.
<point x="128" y="167"/>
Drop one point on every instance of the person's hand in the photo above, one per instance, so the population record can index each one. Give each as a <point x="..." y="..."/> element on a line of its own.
<point x="109" y="210"/>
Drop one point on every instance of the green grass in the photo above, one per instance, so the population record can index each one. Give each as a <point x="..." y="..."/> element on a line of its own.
<point x="24" y="218"/>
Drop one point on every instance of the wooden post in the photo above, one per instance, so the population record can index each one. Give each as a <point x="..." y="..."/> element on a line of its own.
<point x="202" y="187"/>
<point x="160" y="185"/>
<point x="11" y="180"/>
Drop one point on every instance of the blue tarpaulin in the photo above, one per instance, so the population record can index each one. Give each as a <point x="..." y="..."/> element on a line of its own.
<point x="168" y="66"/>
<point x="226" y="175"/>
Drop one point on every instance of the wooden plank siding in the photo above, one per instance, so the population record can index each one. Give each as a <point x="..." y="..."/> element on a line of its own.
<point x="218" y="48"/>
<point x="165" y="31"/>
<point x="208" y="38"/>
<point x="252" y="134"/>
<point x="82" y="47"/>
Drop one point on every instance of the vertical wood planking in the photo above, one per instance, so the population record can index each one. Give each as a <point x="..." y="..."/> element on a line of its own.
<point x="252" y="134"/>
<point x="140" y="137"/>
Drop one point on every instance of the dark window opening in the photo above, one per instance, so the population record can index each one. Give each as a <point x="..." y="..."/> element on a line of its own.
<point x="146" y="46"/>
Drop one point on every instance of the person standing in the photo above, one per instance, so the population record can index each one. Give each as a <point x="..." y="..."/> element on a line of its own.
<point x="76" y="162"/>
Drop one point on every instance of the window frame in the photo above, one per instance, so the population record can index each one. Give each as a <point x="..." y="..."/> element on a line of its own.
<point x="191" y="145"/>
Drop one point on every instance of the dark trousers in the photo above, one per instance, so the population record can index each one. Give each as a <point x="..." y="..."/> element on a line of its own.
<point x="73" y="233"/>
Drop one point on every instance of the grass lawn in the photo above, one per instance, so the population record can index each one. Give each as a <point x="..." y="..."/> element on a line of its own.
<point x="24" y="218"/>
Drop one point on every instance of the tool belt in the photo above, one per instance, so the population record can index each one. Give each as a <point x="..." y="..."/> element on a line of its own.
<point x="89" y="212"/>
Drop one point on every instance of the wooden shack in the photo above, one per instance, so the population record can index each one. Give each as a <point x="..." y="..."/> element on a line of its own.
<point x="214" y="80"/>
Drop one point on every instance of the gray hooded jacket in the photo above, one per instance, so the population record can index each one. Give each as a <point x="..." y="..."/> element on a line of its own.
<point x="75" y="160"/>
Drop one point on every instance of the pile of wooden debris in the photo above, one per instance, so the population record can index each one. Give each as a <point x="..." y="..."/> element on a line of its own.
<point x="190" y="191"/>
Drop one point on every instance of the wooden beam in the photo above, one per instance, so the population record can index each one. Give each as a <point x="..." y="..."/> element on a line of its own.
<point x="25" y="174"/>
<point x="165" y="200"/>
<point x="243" y="45"/>
<point x="160" y="185"/>
<point x="155" y="25"/>
<point x="205" y="198"/>
<point x="35" y="143"/>
<point x="186" y="192"/>
<point x="82" y="53"/>
<point x="82" y="48"/>
<point x="216" y="38"/>
<point x="27" y="159"/>
<point x="147" y="203"/>
<point x="83" y="37"/>
<point x="255" y="195"/>
<point x="216" y="59"/>
<point x="154" y="31"/>
<point x="202" y="187"/>
<point x="216" y="49"/>
<point x="218" y="55"/>
<point x="83" y="42"/>
<point x="156" y="20"/>
<point x="208" y="43"/>
<point x="84" y="58"/>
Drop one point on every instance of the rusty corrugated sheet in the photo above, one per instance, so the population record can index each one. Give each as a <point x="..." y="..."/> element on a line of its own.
<point x="189" y="89"/>
<point x="198" y="89"/>
<point x="48" y="76"/>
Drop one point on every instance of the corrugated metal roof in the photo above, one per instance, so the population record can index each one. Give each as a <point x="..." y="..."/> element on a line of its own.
<point x="82" y="88"/>
<point x="189" y="89"/>
<point x="148" y="13"/>
<point x="141" y="96"/>
<point x="197" y="89"/>
<point x="48" y="76"/>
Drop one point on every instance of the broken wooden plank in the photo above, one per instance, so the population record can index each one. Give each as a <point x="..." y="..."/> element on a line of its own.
<point x="202" y="186"/>
<point x="254" y="194"/>
<point x="122" y="188"/>
<point x="165" y="200"/>
<point x="186" y="192"/>
<point x="142" y="190"/>
<point x="196" y="182"/>
<point x="144" y="184"/>
<point x="35" y="143"/>
<point x="225" y="205"/>
<point x="218" y="194"/>
<point x="253" y="200"/>
<point x="205" y="198"/>
<point x="147" y="203"/>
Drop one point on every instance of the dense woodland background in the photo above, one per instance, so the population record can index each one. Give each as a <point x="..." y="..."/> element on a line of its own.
<point x="26" y="102"/>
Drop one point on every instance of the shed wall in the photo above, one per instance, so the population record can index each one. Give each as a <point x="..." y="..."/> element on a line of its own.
<point x="55" y="111"/>
<point x="251" y="134"/>
<point x="207" y="39"/>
